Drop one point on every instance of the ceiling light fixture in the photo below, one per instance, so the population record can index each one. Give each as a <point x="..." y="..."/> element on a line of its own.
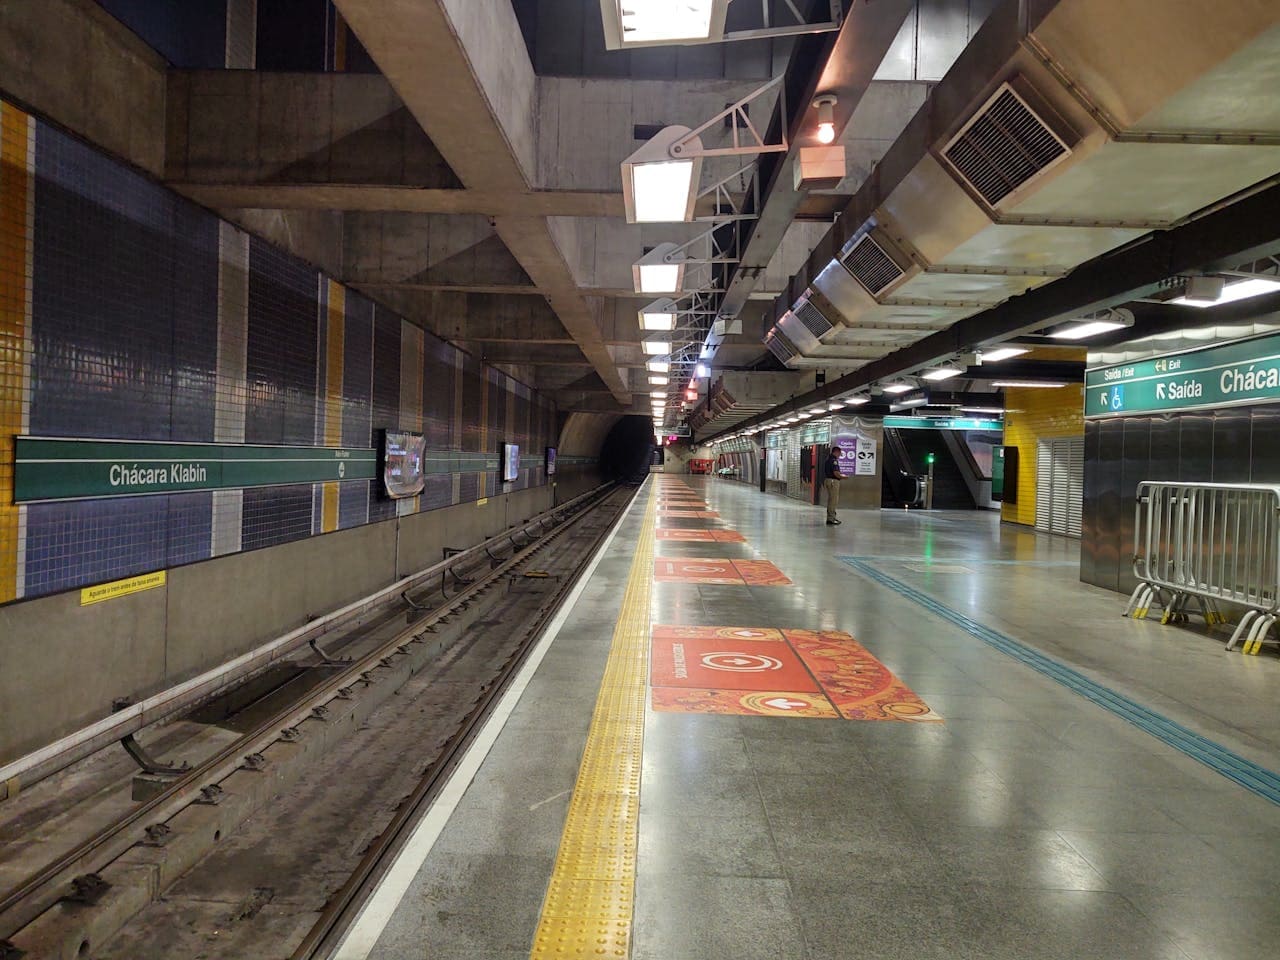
<point x="659" y="381"/>
<point x="1001" y="353"/>
<point x="1091" y="326"/>
<point x="825" y="105"/>
<point x="658" y="366"/>
<point x="659" y="315"/>
<point x="1233" y="292"/>
<point x="999" y="411"/>
<point x="660" y="188"/>
<point x="656" y="348"/>
<point x="898" y="387"/>
<point x="907" y="404"/>
<point x="1031" y="384"/>
<point x="942" y="373"/>
<point x="856" y="401"/>
<point x="661" y="270"/>
<point x="701" y="370"/>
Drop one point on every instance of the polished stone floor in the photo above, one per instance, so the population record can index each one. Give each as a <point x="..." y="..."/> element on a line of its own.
<point x="1030" y="824"/>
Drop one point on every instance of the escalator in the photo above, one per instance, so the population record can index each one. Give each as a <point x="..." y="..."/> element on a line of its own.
<point x="911" y="448"/>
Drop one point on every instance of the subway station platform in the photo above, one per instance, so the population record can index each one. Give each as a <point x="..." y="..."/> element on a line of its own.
<point x="912" y="735"/>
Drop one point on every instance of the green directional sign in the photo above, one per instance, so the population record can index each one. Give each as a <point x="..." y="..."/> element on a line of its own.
<point x="59" y="469"/>
<point x="942" y="423"/>
<point x="1228" y="374"/>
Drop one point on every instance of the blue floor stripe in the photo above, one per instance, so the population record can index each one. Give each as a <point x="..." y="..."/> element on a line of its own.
<point x="1257" y="779"/>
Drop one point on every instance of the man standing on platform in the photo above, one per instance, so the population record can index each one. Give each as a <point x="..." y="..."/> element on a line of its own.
<point x="831" y="477"/>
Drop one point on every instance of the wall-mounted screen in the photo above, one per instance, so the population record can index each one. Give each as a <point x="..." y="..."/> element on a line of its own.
<point x="401" y="455"/>
<point x="551" y="461"/>
<point x="510" y="462"/>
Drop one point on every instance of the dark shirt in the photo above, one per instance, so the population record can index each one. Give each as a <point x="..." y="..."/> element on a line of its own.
<point x="831" y="470"/>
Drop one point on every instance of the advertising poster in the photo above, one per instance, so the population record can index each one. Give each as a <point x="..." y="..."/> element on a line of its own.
<point x="402" y="454"/>
<point x="510" y="462"/>
<point x="856" y="446"/>
<point x="551" y="461"/>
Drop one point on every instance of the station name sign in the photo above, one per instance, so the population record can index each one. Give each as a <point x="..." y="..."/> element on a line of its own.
<point x="1229" y="374"/>
<point x="47" y="468"/>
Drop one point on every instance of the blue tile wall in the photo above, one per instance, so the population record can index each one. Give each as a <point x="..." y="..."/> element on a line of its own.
<point x="125" y="341"/>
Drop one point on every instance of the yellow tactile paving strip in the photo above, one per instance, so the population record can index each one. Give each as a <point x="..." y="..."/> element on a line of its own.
<point x="588" y="908"/>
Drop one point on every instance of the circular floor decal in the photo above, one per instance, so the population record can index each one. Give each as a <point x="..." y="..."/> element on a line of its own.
<point x="740" y="662"/>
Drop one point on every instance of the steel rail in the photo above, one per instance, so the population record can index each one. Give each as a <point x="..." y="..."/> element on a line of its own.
<point x="41" y="889"/>
<point x="60" y="754"/>
<point x="346" y="904"/>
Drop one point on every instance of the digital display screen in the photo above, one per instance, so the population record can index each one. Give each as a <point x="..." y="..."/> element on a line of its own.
<point x="402" y="454"/>
<point x="551" y="461"/>
<point x="510" y="462"/>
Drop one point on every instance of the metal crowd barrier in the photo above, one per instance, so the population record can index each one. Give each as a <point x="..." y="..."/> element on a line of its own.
<point x="1210" y="543"/>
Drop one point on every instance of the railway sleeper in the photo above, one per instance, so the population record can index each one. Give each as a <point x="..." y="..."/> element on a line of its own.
<point x="69" y="930"/>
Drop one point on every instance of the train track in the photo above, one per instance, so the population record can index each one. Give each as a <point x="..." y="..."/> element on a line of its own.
<point x="75" y="903"/>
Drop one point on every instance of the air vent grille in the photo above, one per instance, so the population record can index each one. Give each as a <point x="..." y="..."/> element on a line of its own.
<point x="812" y="319"/>
<point x="871" y="266"/>
<point x="780" y="346"/>
<point x="1005" y="145"/>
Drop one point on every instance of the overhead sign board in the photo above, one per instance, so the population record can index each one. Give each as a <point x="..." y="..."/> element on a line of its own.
<point x="48" y="468"/>
<point x="1224" y="375"/>
<point x="942" y="423"/>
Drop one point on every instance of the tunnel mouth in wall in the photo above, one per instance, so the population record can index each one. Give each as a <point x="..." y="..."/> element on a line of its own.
<point x="626" y="448"/>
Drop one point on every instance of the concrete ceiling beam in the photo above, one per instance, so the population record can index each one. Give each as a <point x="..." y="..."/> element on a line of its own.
<point x="461" y="68"/>
<point x="378" y="198"/>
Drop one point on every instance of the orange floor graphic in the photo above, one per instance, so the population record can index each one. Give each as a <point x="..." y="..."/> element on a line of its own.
<point x="763" y="671"/>
<point x="701" y="536"/>
<point x="751" y="573"/>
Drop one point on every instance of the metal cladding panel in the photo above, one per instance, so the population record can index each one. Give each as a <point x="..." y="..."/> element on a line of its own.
<point x="1109" y="549"/>
<point x="357" y="375"/>
<point x="1264" y="458"/>
<point x="1232" y="433"/>
<point x="1134" y="468"/>
<point x="1089" y="526"/>
<point x="1195" y="448"/>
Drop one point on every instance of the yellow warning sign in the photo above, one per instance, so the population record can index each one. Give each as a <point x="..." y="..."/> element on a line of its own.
<point x="120" y="588"/>
<point x="481" y="502"/>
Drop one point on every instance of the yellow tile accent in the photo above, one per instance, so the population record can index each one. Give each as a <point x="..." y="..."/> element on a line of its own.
<point x="335" y="340"/>
<point x="1032" y="415"/>
<point x="17" y="142"/>
<point x="587" y="911"/>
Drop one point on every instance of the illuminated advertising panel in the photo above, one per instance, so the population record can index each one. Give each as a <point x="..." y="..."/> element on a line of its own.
<point x="510" y="462"/>
<point x="551" y="461"/>
<point x="402" y="454"/>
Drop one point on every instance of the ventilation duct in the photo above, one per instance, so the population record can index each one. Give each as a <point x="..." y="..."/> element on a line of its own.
<point x="872" y="265"/>
<point x="781" y="346"/>
<point x="812" y="319"/>
<point x="1004" y="146"/>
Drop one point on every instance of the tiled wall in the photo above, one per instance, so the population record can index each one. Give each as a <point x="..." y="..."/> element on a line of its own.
<point x="1032" y="415"/>
<point x="127" y="312"/>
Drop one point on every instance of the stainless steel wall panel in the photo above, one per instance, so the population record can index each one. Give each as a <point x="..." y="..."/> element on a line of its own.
<point x="1134" y="467"/>
<point x="1232" y="432"/>
<point x="1195" y="448"/>
<point x="1088" y="536"/>
<point x="1107" y="545"/>
<point x="1264" y="447"/>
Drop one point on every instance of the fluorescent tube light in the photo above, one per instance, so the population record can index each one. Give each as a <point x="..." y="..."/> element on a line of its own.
<point x="834" y="405"/>
<point x="942" y="373"/>
<point x="1089" y="329"/>
<point x="856" y="401"/>
<point x="1032" y="384"/>
<point x="1232" y="292"/>
<point x="658" y="366"/>
<point x="656" y="347"/>
<point x="898" y="388"/>
<point x="658" y="381"/>
<point x="1002" y="353"/>
<point x="995" y="410"/>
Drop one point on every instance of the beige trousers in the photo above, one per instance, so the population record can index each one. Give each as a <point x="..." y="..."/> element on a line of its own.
<point x="833" y="496"/>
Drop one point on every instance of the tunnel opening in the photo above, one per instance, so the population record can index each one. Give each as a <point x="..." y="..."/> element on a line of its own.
<point x="627" y="449"/>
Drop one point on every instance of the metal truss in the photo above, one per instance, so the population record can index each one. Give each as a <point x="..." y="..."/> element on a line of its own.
<point x="790" y="23"/>
<point x="749" y="143"/>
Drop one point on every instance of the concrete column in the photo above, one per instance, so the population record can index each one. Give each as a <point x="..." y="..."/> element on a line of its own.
<point x="242" y="34"/>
